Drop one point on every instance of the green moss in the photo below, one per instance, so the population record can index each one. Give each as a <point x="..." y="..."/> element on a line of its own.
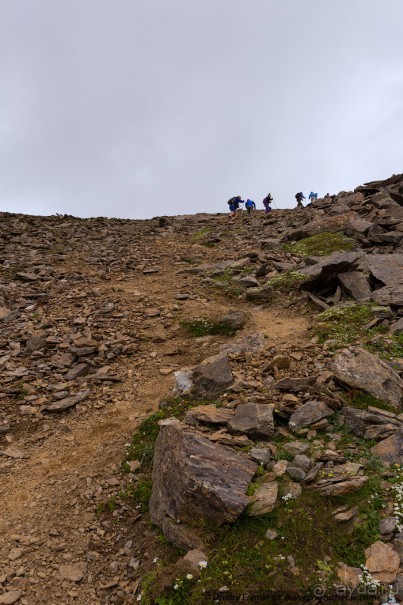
<point x="287" y="280"/>
<point x="142" y="445"/>
<point x="201" y="234"/>
<point x="344" y="324"/>
<point x="205" y="327"/>
<point x="360" y="400"/>
<point x="321" y="244"/>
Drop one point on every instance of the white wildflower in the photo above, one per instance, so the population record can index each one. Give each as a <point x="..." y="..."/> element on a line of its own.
<point x="202" y="564"/>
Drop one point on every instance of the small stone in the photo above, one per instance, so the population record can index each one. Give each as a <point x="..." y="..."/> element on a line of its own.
<point x="8" y="598"/>
<point x="264" y="499"/>
<point x="15" y="553"/>
<point x="271" y="534"/>
<point x="387" y="525"/>
<point x="74" y="572"/>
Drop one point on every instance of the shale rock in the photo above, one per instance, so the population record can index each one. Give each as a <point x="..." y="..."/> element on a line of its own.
<point x="360" y="369"/>
<point x="196" y="479"/>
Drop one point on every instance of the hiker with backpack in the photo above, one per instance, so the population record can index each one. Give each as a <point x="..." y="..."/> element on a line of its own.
<point x="250" y="205"/>
<point x="234" y="204"/>
<point x="313" y="196"/>
<point x="299" y="197"/>
<point x="266" y="203"/>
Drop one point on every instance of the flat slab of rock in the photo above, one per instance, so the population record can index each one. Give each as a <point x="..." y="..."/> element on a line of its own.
<point x="355" y="284"/>
<point x="361" y="369"/>
<point x="68" y="402"/>
<point x="341" y="479"/>
<point x="382" y="562"/>
<point x="253" y="419"/>
<point x="308" y="414"/>
<point x="264" y="499"/>
<point x="329" y="268"/>
<point x="208" y="414"/>
<point x="194" y="478"/>
<point x="294" y="385"/>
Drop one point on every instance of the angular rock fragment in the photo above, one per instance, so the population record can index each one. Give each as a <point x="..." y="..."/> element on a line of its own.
<point x="208" y="380"/>
<point x="68" y="402"/>
<point x="195" y="479"/>
<point x="264" y="499"/>
<point x="382" y="562"/>
<point x="253" y="419"/>
<point x="308" y="414"/>
<point x="390" y="450"/>
<point x="360" y="369"/>
<point x="208" y="414"/>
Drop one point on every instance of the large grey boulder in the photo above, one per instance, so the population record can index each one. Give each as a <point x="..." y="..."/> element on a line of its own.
<point x="253" y="419"/>
<point x="308" y="414"/>
<point x="208" y="380"/>
<point x="195" y="479"/>
<point x="360" y="369"/>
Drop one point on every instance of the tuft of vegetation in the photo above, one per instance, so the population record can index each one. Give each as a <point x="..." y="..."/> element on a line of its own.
<point x="346" y="324"/>
<point x="321" y="244"/>
<point x="202" y="233"/>
<point x="287" y="280"/>
<point x="205" y="327"/>
<point x="360" y="400"/>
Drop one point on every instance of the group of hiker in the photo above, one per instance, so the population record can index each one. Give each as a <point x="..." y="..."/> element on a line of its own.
<point x="235" y="202"/>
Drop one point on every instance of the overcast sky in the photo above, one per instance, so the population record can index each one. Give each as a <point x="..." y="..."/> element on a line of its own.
<point x="139" y="108"/>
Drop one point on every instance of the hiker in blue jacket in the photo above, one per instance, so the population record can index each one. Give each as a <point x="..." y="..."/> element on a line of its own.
<point x="313" y="196"/>
<point x="250" y="205"/>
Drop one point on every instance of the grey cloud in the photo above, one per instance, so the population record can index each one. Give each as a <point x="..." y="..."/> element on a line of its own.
<point x="135" y="108"/>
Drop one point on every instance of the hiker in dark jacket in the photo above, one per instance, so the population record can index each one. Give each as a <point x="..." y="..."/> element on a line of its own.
<point x="299" y="197"/>
<point x="266" y="203"/>
<point x="234" y="204"/>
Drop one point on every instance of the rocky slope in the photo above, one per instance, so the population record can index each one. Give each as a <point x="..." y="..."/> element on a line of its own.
<point x="257" y="360"/>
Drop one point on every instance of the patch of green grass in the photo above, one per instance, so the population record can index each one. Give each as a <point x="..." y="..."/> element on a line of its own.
<point x="225" y="280"/>
<point x="370" y="500"/>
<point x="344" y="324"/>
<point x="205" y="327"/>
<point x="360" y="400"/>
<point x="388" y="348"/>
<point x="321" y="244"/>
<point x="287" y="280"/>
<point x="141" y="447"/>
<point x="201" y="234"/>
